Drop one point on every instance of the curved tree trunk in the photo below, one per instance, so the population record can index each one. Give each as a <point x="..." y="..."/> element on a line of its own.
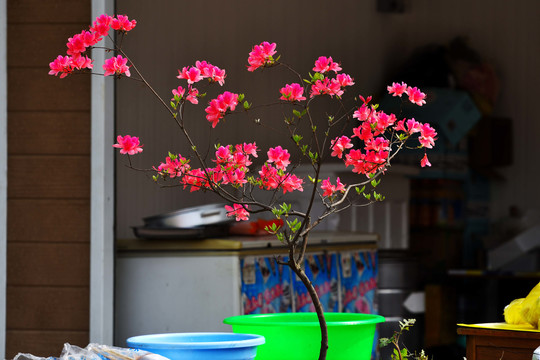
<point x="316" y="302"/>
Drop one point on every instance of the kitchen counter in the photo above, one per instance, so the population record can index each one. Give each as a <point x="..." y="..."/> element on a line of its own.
<point x="244" y="244"/>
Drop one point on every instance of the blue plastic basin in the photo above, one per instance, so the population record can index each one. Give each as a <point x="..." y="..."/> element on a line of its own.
<point x="199" y="346"/>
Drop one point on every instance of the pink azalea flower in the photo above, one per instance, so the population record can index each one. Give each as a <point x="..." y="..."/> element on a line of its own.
<point x="339" y="145"/>
<point x="427" y="136"/>
<point x="378" y="144"/>
<point x="236" y="177"/>
<point x="116" y="66"/>
<point x="75" y="45"/>
<point x="291" y="182"/>
<point x="248" y="149"/>
<point x="191" y="74"/>
<point x="413" y="126"/>
<point x="100" y="29"/>
<point x="261" y="55"/>
<point x="121" y="22"/>
<point x="425" y="162"/>
<point x="223" y="155"/>
<point x="363" y="132"/>
<point x="180" y="91"/>
<point x="211" y="72"/>
<point x="61" y="65"/>
<point x="102" y="25"/>
<point x="269" y="177"/>
<point x="104" y="19"/>
<point x="218" y="107"/>
<point x="174" y="167"/>
<point x="90" y="38"/>
<point x="324" y="64"/>
<point x="362" y="113"/>
<point x="128" y="144"/>
<point x="192" y="95"/>
<point x="397" y="89"/>
<point x="82" y="62"/>
<point x="218" y="75"/>
<point x="329" y="189"/>
<point x="279" y="156"/>
<point x="292" y="92"/>
<point x="344" y="80"/>
<point x="416" y="96"/>
<point x="238" y="211"/>
<point x="384" y="121"/>
<point x="196" y="178"/>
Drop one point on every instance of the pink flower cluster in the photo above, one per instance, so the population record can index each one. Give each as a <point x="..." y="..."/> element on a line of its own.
<point x="377" y="131"/>
<point x="373" y="126"/>
<point x="231" y="168"/>
<point x="238" y="211"/>
<point x="202" y="70"/>
<point x="219" y="106"/>
<point x="193" y="74"/>
<point x="191" y="96"/>
<point x="292" y="92"/>
<point x="261" y="55"/>
<point x="79" y="43"/>
<point x="116" y="66"/>
<point x="128" y="144"/>
<point x="329" y="86"/>
<point x="415" y="95"/>
<point x="331" y="190"/>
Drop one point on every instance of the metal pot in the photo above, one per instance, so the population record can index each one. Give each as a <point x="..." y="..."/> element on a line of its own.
<point x="190" y="217"/>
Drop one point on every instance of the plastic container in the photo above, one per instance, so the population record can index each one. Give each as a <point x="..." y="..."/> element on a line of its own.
<point x="199" y="346"/>
<point x="297" y="335"/>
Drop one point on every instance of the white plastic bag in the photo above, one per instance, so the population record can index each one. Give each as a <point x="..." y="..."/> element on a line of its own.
<point x="96" y="352"/>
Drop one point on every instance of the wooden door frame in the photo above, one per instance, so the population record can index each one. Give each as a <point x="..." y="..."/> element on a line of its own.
<point x="3" y="174"/>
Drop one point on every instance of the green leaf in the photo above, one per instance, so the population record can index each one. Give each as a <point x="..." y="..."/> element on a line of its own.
<point x="297" y="113"/>
<point x="155" y="178"/>
<point x="367" y="196"/>
<point x="173" y="105"/>
<point x="375" y="182"/>
<point x="297" y="138"/>
<point x="360" y="191"/>
<point x="318" y="76"/>
<point x="294" y="225"/>
<point x="286" y="208"/>
<point x="246" y="105"/>
<point x="241" y="97"/>
<point x="384" y="342"/>
<point x="172" y="156"/>
<point x="194" y="148"/>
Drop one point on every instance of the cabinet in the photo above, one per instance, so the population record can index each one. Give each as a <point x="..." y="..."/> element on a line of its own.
<point x="488" y="344"/>
<point x="192" y="285"/>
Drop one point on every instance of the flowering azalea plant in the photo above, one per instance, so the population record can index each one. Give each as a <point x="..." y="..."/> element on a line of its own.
<point x="368" y="150"/>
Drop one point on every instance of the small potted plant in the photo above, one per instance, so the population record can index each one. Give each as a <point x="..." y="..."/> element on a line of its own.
<point x="367" y="150"/>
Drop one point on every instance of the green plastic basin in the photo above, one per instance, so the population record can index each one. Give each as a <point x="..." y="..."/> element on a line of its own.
<point x="297" y="335"/>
